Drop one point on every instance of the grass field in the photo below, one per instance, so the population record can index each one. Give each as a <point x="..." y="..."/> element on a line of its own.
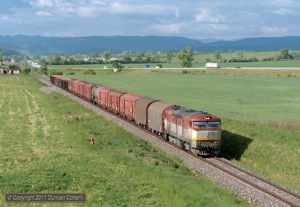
<point x="45" y="148"/>
<point x="260" y="111"/>
<point x="196" y="64"/>
<point x="200" y="60"/>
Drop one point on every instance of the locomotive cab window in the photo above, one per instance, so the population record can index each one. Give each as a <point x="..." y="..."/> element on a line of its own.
<point x="199" y="125"/>
<point x="214" y="125"/>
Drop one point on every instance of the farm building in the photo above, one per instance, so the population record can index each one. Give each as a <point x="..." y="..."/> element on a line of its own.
<point x="13" y="69"/>
<point x="2" y="71"/>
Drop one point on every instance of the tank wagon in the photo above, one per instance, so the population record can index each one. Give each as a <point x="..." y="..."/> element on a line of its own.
<point x="192" y="130"/>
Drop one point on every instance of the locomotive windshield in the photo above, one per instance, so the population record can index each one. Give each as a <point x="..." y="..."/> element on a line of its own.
<point x="213" y="125"/>
<point x="204" y="125"/>
<point x="199" y="125"/>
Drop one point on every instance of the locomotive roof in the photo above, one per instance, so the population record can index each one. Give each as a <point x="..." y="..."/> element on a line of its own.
<point x="191" y="114"/>
<point x="182" y="111"/>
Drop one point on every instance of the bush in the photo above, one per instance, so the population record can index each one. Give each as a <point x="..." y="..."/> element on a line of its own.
<point x="159" y="65"/>
<point x="57" y="73"/>
<point x="185" y="72"/>
<point x="26" y="71"/>
<point x="89" y="72"/>
<point x="70" y="73"/>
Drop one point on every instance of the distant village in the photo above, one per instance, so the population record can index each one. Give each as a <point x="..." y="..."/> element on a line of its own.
<point x="14" y="68"/>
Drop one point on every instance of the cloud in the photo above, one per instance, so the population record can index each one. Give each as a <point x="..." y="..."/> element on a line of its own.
<point x="283" y="3"/>
<point x="193" y="19"/>
<point x="282" y="11"/>
<point x="274" y="30"/>
<point x="43" y="13"/>
<point x="146" y="9"/>
<point x="216" y="27"/>
<point x="207" y="15"/>
<point x="167" y="28"/>
<point x="86" y="11"/>
<point x="42" y="3"/>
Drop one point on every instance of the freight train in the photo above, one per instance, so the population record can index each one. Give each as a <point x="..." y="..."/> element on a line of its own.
<point x="192" y="130"/>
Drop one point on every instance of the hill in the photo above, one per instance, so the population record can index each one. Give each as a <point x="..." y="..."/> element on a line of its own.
<point x="95" y="44"/>
<point x="118" y="44"/>
<point x="253" y="44"/>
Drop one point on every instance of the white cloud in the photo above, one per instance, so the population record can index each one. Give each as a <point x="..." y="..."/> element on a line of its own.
<point x="5" y="18"/>
<point x="282" y="11"/>
<point x="42" y="3"/>
<point x="140" y="17"/>
<point x="216" y="27"/>
<point x="86" y="11"/>
<point x="43" y="13"/>
<point x="274" y="30"/>
<point x="167" y="28"/>
<point x="207" y="15"/>
<point x="283" y="3"/>
<point x="146" y="9"/>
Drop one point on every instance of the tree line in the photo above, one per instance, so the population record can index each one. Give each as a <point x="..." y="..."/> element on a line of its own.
<point x="185" y="57"/>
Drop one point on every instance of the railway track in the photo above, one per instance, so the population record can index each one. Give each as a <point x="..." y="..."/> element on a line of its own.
<point x="278" y="192"/>
<point x="249" y="185"/>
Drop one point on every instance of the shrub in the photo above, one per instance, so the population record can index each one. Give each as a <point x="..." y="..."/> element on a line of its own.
<point x="185" y="72"/>
<point x="159" y="65"/>
<point x="89" y="72"/>
<point x="57" y="73"/>
<point x="26" y="71"/>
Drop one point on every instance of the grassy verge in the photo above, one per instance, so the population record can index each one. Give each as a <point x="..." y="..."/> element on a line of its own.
<point x="45" y="148"/>
<point x="260" y="114"/>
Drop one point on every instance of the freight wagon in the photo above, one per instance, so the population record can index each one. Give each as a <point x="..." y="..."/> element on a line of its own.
<point x="192" y="130"/>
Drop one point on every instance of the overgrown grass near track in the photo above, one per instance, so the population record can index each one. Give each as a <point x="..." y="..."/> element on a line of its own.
<point x="260" y="115"/>
<point x="45" y="148"/>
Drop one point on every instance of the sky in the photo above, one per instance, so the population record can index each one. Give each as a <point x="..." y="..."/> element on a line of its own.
<point x="195" y="19"/>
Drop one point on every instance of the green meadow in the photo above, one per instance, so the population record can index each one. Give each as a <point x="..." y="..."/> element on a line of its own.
<point x="260" y="111"/>
<point x="45" y="148"/>
<point x="200" y="60"/>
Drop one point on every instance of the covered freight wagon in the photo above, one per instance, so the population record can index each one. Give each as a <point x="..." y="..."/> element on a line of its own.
<point x="141" y="110"/>
<point x="102" y="96"/>
<point x="113" y="100"/>
<point x="127" y="105"/>
<point x="75" y="86"/>
<point x="81" y="88"/>
<point x="87" y="91"/>
<point x="156" y="117"/>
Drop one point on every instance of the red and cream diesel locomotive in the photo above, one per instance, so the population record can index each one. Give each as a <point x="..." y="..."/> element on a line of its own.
<point x="192" y="130"/>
